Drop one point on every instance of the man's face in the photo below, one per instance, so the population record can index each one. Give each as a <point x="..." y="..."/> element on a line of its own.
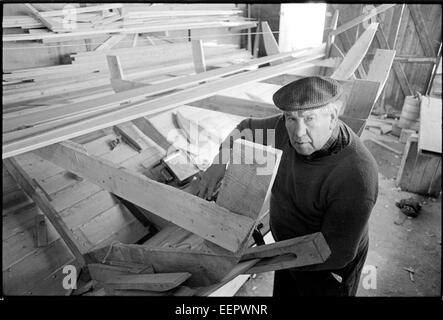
<point x="309" y="130"/>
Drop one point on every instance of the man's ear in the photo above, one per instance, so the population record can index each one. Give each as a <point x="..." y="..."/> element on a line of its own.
<point x="334" y="111"/>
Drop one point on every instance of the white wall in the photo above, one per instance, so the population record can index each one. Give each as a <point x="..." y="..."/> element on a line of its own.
<point x="301" y="26"/>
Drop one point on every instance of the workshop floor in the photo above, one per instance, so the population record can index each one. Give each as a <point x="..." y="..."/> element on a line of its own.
<point x="397" y="243"/>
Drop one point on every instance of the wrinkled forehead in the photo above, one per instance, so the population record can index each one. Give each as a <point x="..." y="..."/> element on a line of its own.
<point x="305" y="113"/>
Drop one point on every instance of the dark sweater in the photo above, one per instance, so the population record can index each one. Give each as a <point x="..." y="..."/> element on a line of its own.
<point x="333" y="194"/>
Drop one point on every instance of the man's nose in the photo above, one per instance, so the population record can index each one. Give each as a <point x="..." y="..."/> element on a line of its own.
<point x="299" y="129"/>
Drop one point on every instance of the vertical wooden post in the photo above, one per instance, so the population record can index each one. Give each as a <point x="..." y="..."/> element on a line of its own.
<point x="115" y="68"/>
<point x="256" y="41"/>
<point x="249" y="44"/>
<point x="198" y="56"/>
<point x="397" y="17"/>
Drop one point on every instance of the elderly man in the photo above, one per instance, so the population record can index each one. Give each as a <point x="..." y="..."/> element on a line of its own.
<point x="326" y="182"/>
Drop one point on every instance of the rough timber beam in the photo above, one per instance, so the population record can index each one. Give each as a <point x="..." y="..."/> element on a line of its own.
<point x="206" y="219"/>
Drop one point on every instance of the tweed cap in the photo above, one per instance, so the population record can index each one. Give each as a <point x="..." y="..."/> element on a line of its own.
<point x="307" y="93"/>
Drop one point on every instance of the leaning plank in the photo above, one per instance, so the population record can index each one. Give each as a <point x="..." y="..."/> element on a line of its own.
<point x="198" y="56"/>
<point x="355" y="55"/>
<point x="34" y="138"/>
<point x="360" y="19"/>
<point x="360" y="98"/>
<point x="430" y="125"/>
<point x="38" y="196"/>
<point x="115" y="67"/>
<point x="422" y="30"/>
<point x="270" y="43"/>
<point x="398" y="69"/>
<point x="194" y="214"/>
<point x="103" y="103"/>
<point x="151" y="282"/>
<point x="380" y="68"/>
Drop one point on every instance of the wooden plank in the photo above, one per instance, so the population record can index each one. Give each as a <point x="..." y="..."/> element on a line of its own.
<point x="55" y="13"/>
<point x="133" y="135"/>
<point x="271" y="45"/>
<point x="105" y="226"/>
<point x="51" y="25"/>
<point x="422" y="30"/>
<point x="357" y="125"/>
<point x="407" y="162"/>
<point x="151" y="282"/>
<point x="435" y="185"/>
<point x="203" y="218"/>
<point x="355" y="55"/>
<point x="34" y="192"/>
<point x="21" y="277"/>
<point x="102" y="103"/>
<point x="397" y="18"/>
<point x="311" y="249"/>
<point x="398" y="69"/>
<point x="115" y="68"/>
<point x="21" y="144"/>
<point x="331" y="38"/>
<point x="347" y="45"/>
<point x="124" y="85"/>
<point x="360" y="99"/>
<point x="430" y="137"/>
<point x="360" y="19"/>
<point x="237" y="106"/>
<point x="145" y="126"/>
<point x="103" y="272"/>
<point x="110" y="42"/>
<point x="380" y="68"/>
<point x="198" y="56"/>
<point x="256" y="41"/>
<point x="425" y="168"/>
<point x="82" y="211"/>
<point x="59" y="37"/>
<point x="246" y="186"/>
<point x="205" y="266"/>
<point x="281" y="248"/>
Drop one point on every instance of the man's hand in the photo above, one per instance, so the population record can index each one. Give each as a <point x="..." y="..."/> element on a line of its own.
<point x="210" y="180"/>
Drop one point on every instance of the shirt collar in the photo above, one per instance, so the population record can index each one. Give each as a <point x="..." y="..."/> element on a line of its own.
<point x="333" y="144"/>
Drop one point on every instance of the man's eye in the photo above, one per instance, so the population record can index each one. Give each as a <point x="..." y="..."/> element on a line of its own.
<point x="309" y="118"/>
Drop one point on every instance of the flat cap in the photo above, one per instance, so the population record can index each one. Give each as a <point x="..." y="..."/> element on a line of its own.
<point x="307" y="93"/>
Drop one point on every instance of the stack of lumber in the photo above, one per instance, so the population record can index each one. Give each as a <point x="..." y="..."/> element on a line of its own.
<point x="58" y="123"/>
<point x="89" y="70"/>
<point x="74" y="22"/>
